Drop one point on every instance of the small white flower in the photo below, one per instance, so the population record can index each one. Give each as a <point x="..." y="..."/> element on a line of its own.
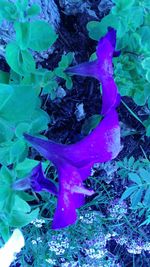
<point x="34" y="242"/>
<point x="50" y="261"/>
<point x="39" y="239"/>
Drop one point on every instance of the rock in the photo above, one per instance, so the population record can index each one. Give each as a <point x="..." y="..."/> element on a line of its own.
<point x="80" y="114"/>
<point x="49" y="13"/>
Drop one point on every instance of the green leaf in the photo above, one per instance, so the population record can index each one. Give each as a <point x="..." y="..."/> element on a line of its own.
<point x="122" y="5"/>
<point x="66" y="60"/>
<point x="130" y="190"/>
<point x="22" y="128"/>
<point x="93" y="57"/>
<point x="21" y="205"/>
<point x="18" y="151"/>
<point x="6" y="92"/>
<point x="33" y="10"/>
<point x="135" y="178"/>
<point x="98" y="29"/>
<point x="91" y="123"/>
<point x="139" y="98"/>
<point x="20" y="219"/>
<point x="8" y="10"/>
<point x="21" y="5"/>
<point x="22" y="34"/>
<point x="146" y="200"/>
<point x="4" y="153"/>
<point x="94" y="30"/>
<point x="136" y="197"/>
<point x="135" y="18"/>
<point x="42" y="35"/>
<point x="148" y="76"/>
<point x="4" y="191"/>
<point x="4" y="230"/>
<point x="21" y="105"/>
<point x="39" y="124"/>
<point x="62" y="66"/>
<point x="146" y="63"/>
<point x="21" y="61"/>
<point x="9" y="203"/>
<point x="6" y="132"/>
<point x="131" y="162"/>
<point x="25" y="167"/>
<point x="4" y="77"/>
<point x="50" y="88"/>
<point x="144" y="32"/>
<point x="26" y="62"/>
<point x="6" y="175"/>
<point x="145" y="175"/>
<point x="69" y="82"/>
<point x="25" y="196"/>
<point x="146" y="222"/>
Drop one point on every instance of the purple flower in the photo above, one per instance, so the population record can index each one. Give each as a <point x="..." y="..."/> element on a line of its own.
<point x="102" y="69"/>
<point x="36" y="181"/>
<point x="74" y="162"/>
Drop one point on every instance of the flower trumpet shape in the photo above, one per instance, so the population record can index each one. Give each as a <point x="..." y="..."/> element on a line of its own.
<point x="102" y="69"/>
<point x="36" y="181"/>
<point x="74" y="162"/>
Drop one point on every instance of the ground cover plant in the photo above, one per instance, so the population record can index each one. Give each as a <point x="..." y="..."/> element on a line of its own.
<point x="74" y="136"/>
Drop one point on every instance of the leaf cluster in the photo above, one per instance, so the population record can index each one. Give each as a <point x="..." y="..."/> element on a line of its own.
<point x="20" y="112"/>
<point x="14" y="209"/>
<point x="131" y="19"/>
<point x="137" y="174"/>
<point x="31" y="35"/>
<point x="20" y="107"/>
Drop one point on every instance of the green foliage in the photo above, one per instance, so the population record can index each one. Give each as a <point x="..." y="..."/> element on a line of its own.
<point x="33" y="10"/>
<point x="131" y="20"/>
<point x="20" y="111"/>
<point x="21" y="61"/>
<point x="20" y="218"/>
<point x="4" y="77"/>
<point x="17" y="117"/>
<point x="8" y="10"/>
<point x="91" y="123"/>
<point x="42" y="36"/>
<point x="132" y="69"/>
<point x="138" y="175"/>
<point x="23" y="168"/>
<point x="128" y="165"/>
<point x="14" y="210"/>
<point x="37" y="35"/>
<point x="22" y="34"/>
<point x="66" y="60"/>
<point x="139" y="190"/>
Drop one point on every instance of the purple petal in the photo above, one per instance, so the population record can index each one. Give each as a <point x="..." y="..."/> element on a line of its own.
<point x="101" y="145"/>
<point x="110" y="96"/>
<point x="84" y="69"/>
<point x="50" y="150"/>
<point x="74" y="162"/>
<point x="106" y="46"/>
<point x="71" y="196"/>
<point x="102" y="69"/>
<point x="37" y="181"/>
